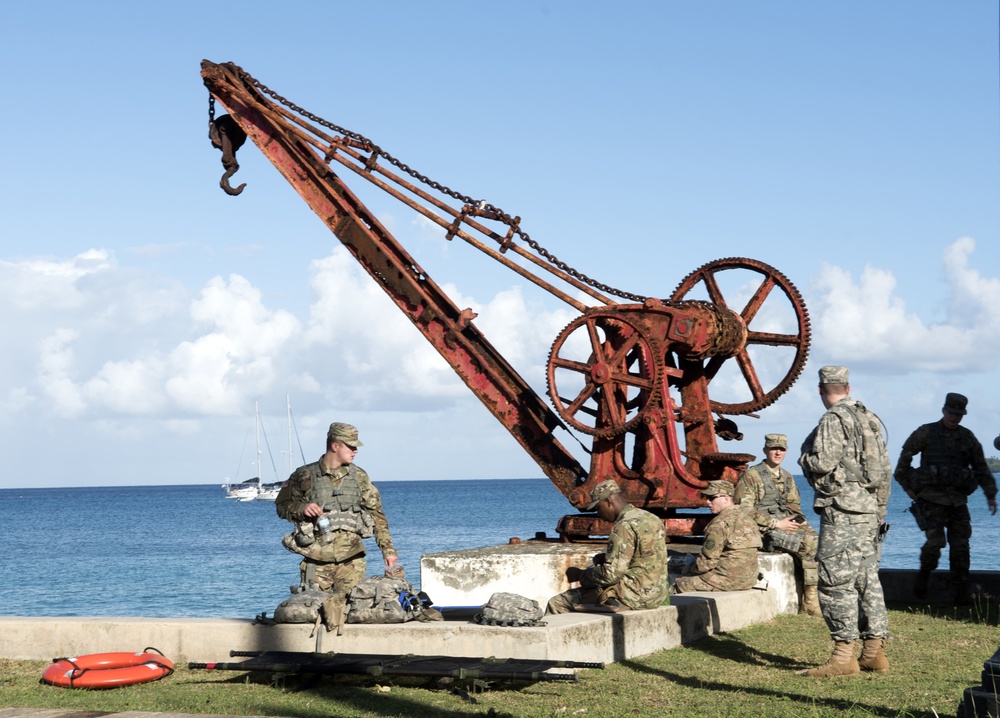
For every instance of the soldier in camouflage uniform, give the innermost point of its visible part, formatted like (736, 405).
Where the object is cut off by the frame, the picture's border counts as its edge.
(845, 461)
(952, 465)
(632, 572)
(769, 491)
(728, 558)
(333, 489)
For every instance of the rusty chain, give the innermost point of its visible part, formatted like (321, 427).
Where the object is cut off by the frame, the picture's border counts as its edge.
(481, 207)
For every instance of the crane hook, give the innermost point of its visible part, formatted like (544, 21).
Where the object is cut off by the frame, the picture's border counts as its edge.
(226, 135)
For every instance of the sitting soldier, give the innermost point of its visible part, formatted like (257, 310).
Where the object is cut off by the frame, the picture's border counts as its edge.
(770, 494)
(728, 558)
(632, 573)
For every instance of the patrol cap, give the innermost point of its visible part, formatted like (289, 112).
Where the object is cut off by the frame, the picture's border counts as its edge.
(834, 375)
(996, 443)
(956, 403)
(344, 433)
(718, 488)
(775, 441)
(604, 490)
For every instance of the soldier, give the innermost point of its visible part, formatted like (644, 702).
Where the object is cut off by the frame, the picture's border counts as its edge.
(334, 505)
(845, 461)
(769, 491)
(632, 572)
(952, 465)
(728, 558)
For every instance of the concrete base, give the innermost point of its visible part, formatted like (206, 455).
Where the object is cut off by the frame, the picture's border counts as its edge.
(527, 569)
(573, 636)
(537, 569)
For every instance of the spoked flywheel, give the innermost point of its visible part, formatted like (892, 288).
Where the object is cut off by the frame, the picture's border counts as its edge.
(775, 316)
(602, 372)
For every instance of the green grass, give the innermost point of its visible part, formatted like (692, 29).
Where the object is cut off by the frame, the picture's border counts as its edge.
(935, 654)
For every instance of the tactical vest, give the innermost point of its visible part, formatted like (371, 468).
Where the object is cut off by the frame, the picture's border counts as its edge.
(945, 460)
(341, 504)
(773, 503)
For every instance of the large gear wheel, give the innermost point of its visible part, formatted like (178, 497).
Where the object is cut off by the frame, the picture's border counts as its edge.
(707, 278)
(602, 373)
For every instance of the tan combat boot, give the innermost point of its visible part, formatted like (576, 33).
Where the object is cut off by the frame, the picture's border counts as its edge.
(810, 602)
(842, 663)
(873, 657)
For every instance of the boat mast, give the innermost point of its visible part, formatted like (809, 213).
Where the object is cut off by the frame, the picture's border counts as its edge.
(256, 412)
(288, 407)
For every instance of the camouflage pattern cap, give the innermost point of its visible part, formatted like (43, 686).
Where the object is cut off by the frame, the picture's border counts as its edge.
(603, 491)
(834, 375)
(344, 433)
(775, 441)
(956, 403)
(718, 488)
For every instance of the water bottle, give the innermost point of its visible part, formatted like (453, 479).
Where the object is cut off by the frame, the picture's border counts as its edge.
(323, 526)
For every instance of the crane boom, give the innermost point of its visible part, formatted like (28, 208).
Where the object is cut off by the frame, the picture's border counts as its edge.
(449, 329)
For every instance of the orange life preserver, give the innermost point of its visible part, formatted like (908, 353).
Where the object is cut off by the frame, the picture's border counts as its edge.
(108, 670)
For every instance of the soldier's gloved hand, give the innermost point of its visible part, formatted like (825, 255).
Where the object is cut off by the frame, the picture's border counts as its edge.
(600, 559)
(574, 574)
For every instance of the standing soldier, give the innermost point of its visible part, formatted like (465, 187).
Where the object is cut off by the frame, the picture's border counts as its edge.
(952, 465)
(334, 505)
(845, 461)
(728, 558)
(770, 493)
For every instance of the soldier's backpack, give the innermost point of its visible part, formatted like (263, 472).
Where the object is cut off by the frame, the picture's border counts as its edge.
(303, 606)
(380, 599)
(510, 609)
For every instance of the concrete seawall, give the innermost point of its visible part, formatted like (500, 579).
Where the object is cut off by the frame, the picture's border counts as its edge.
(530, 570)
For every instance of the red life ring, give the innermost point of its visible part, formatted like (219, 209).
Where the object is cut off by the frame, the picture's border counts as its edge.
(108, 670)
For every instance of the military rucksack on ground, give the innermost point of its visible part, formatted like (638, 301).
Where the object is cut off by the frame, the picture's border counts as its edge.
(380, 599)
(510, 609)
(303, 606)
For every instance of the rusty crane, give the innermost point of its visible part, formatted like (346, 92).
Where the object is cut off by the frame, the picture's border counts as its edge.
(631, 373)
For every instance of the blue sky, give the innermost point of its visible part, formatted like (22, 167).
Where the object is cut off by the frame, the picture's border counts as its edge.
(855, 146)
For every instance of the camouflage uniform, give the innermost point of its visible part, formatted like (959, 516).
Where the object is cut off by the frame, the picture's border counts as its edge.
(952, 465)
(845, 461)
(634, 571)
(728, 558)
(771, 497)
(339, 564)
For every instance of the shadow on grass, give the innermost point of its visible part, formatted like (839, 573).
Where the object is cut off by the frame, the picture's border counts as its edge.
(351, 694)
(810, 701)
(726, 647)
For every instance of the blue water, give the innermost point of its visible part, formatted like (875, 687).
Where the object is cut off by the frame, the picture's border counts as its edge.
(165, 551)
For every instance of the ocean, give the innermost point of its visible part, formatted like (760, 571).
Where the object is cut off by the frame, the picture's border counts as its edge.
(186, 551)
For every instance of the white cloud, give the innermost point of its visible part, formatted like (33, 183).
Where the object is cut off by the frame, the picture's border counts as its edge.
(867, 323)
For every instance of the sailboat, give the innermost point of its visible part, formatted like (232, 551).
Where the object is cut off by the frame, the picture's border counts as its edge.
(248, 490)
(269, 492)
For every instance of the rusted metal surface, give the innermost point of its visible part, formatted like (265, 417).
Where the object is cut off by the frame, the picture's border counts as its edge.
(633, 377)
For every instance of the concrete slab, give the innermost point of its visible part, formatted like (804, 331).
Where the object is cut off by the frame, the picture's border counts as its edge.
(576, 637)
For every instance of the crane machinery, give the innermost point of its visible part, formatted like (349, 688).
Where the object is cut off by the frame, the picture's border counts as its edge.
(630, 372)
